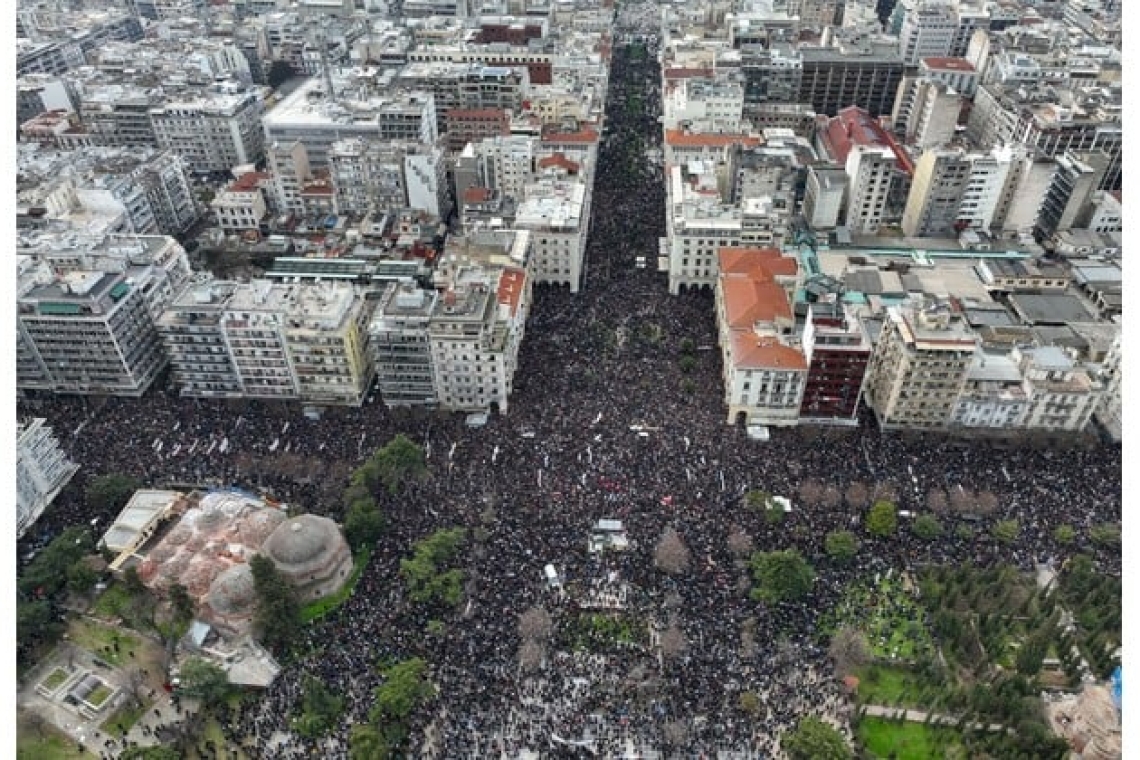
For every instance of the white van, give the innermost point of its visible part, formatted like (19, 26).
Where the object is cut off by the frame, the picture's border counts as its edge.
(552, 579)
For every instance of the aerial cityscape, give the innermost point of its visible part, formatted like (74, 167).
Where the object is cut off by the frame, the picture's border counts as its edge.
(452, 379)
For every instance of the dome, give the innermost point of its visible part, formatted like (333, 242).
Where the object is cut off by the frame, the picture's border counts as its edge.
(302, 539)
(232, 592)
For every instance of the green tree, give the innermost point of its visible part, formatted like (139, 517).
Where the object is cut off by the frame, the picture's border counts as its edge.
(80, 577)
(320, 709)
(1064, 534)
(841, 545)
(181, 603)
(927, 527)
(1107, 534)
(426, 572)
(366, 743)
(157, 752)
(47, 573)
(882, 519)
(781, 576)
(363, 523)
(110, 493)
(398, 463)
(404, 689)
(37, 626)
(278, 614)
(687, 363)
(279, 72)
(206, 681)
(1031, 654)
(815, 740)
(1006, 531)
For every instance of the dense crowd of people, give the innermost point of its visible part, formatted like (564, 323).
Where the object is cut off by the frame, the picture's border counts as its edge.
(605, 422)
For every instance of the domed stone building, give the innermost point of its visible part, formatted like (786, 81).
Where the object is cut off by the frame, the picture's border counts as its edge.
(310, 553)
(231, 601)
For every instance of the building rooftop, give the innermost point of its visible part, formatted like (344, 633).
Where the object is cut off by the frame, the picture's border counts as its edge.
(1050, 308)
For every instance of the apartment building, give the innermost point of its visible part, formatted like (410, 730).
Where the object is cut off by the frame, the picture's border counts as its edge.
(919, 366)
(874, 163)
(90, 332)
(212, 133)
(765, 371)
(270, 340)
(1053, 121)
(926, 112)
(834, 78)
(823, 196)
(837, 349)
(368, 174)
(928, 30)
(557, 214)
(241, 205)
(401, 348)
(362, 106)
(42, 470)
(1064, 394)
(940, 179)
(475, 331)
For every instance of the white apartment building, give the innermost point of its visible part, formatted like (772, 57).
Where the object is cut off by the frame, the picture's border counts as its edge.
(363, 107)
(926, 112)
(241, 205)
(557, 214)
(269, 340)
(823, 196)
(475, 332)
(870, 171)
(765, 371)
(510, 163)
(928, 31)
(919, 366)
(368, 174)
(86, 311)
(425, 177)
(704, 105)
(1063, 393)
(985, 187)
(994, 395)
(698, 223)
(42, 470)
(212, 133)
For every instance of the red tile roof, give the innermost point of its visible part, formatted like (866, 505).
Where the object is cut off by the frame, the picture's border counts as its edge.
(559, 160)
(744, 260)
(511, 283)
(680, 139)
(476, 195)
(855, 126)
(752, 297)
(584, 135)
(750, 351)
(948, 64)
(247, 182)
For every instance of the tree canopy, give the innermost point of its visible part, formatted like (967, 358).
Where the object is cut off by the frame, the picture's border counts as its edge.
(278, 614)
(815, 740)
(110, 493)
(205, 680)
(927, 527)
(395, 465)
(882, 519)
(320, 709)
(279, 73)
(363, 523)
(427, 572)
(781, 576)
(841, 545)
(404, 689)
(49, 571)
